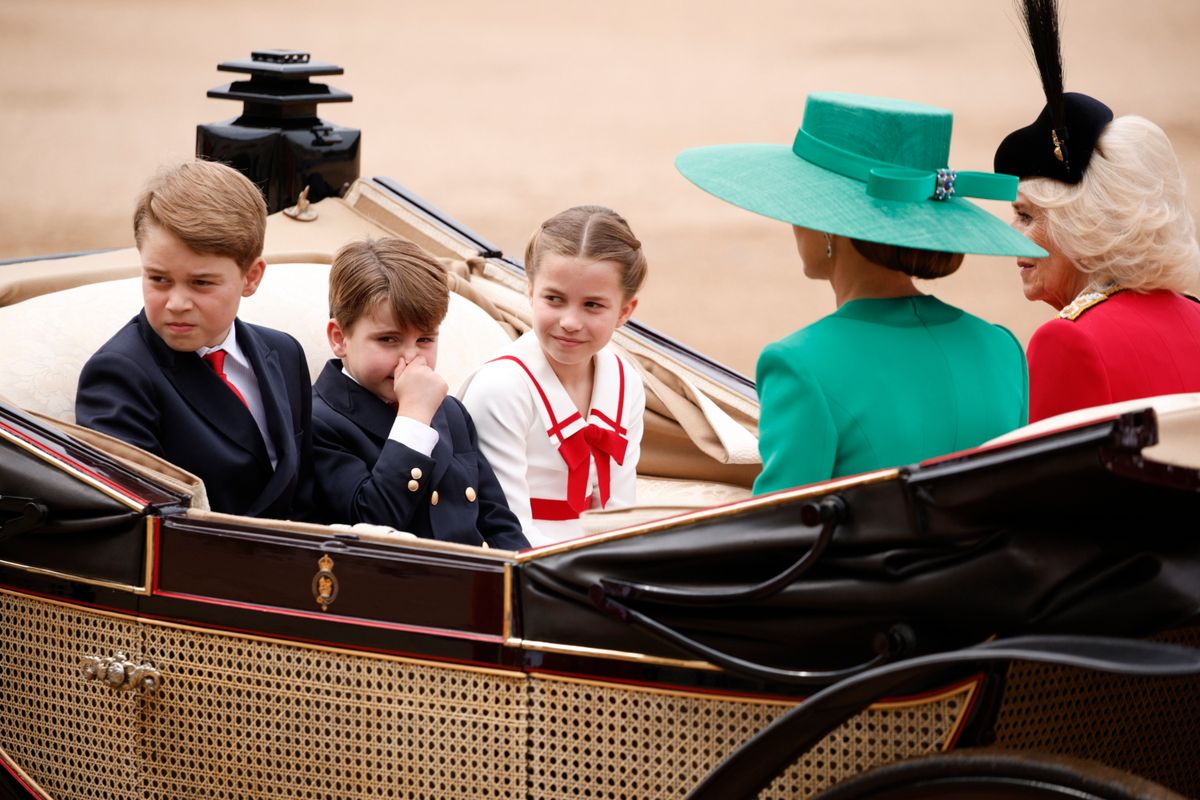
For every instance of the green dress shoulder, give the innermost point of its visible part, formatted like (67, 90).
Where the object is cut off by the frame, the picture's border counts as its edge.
(882, 383)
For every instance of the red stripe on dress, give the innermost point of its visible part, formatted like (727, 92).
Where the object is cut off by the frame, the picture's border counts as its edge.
(558, 429)
(555, 426)
(616, 424)
(554, 510)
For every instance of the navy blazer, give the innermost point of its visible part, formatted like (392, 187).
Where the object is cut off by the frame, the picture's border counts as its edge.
(172, 404)
(363, 476)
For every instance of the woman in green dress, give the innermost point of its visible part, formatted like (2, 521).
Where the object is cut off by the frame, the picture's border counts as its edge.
(893, 376)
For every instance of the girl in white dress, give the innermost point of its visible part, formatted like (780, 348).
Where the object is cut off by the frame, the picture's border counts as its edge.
(559, 414)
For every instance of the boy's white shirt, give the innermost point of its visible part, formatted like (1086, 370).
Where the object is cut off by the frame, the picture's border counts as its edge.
(512, 423)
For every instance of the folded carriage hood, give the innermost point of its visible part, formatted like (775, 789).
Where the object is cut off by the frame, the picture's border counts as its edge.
(66, 510)
(1071, 532)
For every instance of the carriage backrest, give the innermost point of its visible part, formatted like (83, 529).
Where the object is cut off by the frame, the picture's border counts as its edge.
(56, 333)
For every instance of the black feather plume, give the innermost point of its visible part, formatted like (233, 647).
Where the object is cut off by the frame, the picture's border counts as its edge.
(1040, 18)
(1046, 148)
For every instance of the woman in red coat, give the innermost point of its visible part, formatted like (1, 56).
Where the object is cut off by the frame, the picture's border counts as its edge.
(1107, 199)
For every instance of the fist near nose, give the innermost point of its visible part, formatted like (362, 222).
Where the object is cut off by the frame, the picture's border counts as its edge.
(419, 390)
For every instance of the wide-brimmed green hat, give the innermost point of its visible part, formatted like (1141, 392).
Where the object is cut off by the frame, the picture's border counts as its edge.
(869, 168)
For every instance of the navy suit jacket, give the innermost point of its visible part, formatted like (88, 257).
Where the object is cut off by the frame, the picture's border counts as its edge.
(172, 404)
(363, 476)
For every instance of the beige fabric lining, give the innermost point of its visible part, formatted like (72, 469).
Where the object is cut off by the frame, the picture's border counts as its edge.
(389, 213)
(287, 241)
(29, 279)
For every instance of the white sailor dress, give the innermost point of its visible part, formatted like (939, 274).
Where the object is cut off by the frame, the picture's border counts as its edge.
(553, 462)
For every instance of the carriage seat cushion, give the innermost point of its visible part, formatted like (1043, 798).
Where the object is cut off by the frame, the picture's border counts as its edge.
(49, 338)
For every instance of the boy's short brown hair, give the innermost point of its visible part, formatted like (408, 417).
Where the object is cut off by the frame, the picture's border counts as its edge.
(210, 207)
(395, 271)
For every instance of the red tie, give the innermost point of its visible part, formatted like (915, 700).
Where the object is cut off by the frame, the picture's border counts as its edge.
(216, 360)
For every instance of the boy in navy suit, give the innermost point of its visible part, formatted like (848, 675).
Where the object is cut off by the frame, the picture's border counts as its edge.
(188, 381)
(391, 447)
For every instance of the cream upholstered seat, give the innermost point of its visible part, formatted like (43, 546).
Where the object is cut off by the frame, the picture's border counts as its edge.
(59, 331)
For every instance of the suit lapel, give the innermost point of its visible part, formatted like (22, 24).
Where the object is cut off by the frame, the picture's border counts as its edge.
(374, 416)
(205, 392)
(354, 402)
(273, 390)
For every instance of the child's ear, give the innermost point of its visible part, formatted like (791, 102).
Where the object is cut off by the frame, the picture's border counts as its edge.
(337, 338)
(627, 311)
(253, 276)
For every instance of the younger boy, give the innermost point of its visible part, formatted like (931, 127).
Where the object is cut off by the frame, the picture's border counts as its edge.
(391, 447)
(188, 381)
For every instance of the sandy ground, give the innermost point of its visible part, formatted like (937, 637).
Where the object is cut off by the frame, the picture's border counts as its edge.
(506, 112)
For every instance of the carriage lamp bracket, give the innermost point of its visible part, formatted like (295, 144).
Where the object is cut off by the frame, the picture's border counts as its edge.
(20, 515)
(325, 135)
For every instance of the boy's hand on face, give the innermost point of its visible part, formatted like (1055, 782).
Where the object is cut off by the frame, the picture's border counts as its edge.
(419, 390)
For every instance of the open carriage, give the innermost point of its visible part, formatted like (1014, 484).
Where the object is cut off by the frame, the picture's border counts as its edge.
(151, 648)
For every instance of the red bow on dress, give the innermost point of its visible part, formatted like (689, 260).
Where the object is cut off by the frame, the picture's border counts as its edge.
(578, 450)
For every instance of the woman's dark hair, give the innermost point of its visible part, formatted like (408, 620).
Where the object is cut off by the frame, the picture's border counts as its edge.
(925, 264)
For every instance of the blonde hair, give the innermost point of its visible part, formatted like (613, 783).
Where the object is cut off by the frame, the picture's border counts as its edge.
(592, 232)
(1128, 220)
(210, 207)
(391, 270)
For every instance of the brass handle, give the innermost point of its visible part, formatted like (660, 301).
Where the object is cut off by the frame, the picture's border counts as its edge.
(121, 674)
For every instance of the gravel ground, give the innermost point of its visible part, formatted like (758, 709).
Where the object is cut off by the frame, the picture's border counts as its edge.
(504, 113)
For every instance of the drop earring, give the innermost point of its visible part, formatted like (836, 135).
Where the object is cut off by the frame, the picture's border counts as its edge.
(828, 246)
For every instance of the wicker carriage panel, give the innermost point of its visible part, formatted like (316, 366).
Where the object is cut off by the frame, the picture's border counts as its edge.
(244, 718)
(46, 699)
(608, 742)
(1150, 727)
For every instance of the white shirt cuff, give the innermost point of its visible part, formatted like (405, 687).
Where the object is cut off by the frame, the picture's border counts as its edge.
(419, 436)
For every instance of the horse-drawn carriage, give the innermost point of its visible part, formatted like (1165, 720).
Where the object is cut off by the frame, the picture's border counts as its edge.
(152, 648)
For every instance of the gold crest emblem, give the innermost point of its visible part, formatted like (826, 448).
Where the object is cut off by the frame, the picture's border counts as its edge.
(325, 583)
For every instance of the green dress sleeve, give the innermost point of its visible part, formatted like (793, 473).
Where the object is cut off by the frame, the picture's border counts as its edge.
(797, 437)
(1024, 366)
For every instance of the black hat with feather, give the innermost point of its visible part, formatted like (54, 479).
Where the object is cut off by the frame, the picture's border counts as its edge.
(1060, 142)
